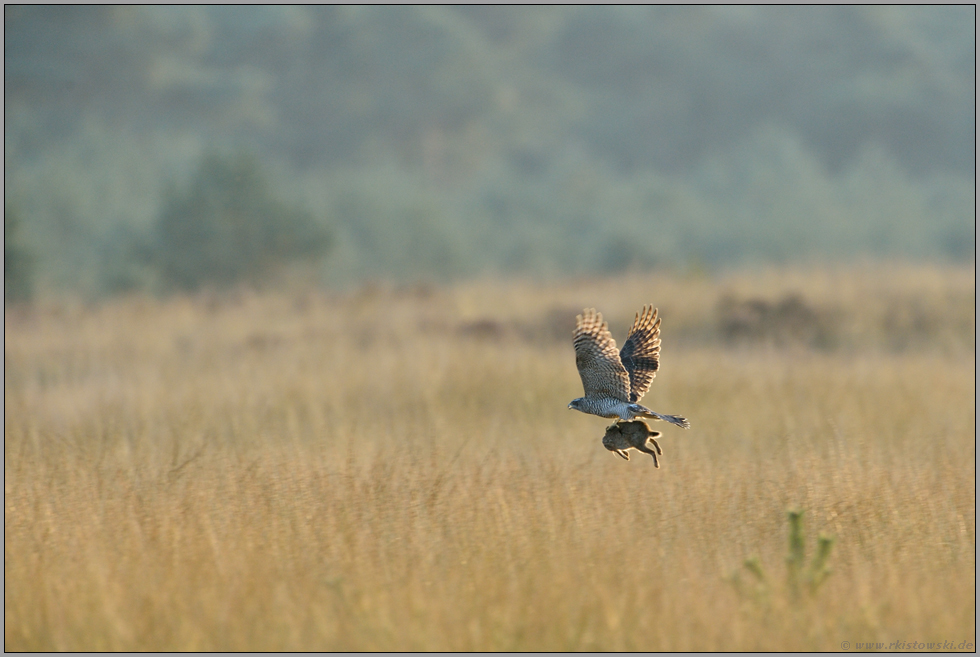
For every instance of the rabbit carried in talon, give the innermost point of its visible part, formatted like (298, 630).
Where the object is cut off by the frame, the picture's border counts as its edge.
(624, 436)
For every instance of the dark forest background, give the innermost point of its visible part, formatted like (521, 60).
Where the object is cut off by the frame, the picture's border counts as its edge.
(162, 148)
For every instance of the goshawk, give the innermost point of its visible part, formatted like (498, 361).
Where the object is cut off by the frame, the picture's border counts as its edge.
(615, 381)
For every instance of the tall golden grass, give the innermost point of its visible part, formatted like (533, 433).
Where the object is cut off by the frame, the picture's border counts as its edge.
(396, 469)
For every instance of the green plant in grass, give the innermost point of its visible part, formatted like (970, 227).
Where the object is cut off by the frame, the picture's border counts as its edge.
(799, 578)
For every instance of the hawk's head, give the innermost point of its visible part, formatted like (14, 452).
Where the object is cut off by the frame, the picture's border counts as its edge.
(576, 404)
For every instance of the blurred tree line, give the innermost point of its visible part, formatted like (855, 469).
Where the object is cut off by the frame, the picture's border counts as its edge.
(17, 263)
(443, 142)
(228, 228)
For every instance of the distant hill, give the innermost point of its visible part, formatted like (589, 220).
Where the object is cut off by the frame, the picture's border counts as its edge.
(445, 142)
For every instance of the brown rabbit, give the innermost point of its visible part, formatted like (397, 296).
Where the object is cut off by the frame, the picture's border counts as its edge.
(623, 436)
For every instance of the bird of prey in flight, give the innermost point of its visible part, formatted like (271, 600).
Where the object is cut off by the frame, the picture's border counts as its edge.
(615, 381)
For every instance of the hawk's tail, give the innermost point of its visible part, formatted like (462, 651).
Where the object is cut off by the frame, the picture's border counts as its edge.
(643, 411)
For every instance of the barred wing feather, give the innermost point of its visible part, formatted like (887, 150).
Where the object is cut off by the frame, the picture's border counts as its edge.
(597, 359)
(641, 352)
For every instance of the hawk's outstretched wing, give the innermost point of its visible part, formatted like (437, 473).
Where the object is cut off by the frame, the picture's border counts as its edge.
(641, 352)
(603, 374)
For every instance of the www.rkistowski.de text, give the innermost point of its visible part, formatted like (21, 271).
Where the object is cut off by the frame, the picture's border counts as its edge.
(907, 645)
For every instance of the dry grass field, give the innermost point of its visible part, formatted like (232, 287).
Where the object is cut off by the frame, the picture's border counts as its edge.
(396, 469)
